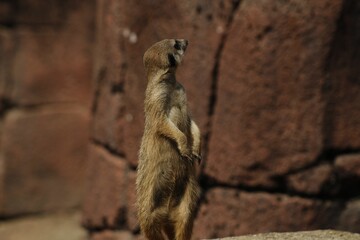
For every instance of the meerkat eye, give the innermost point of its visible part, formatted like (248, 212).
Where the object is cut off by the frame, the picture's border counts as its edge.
(177, 45)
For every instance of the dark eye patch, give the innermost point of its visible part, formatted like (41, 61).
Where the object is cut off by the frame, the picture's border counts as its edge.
(172, 60)
(177, 45)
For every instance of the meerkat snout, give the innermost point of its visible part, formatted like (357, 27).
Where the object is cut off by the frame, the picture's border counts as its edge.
(181, 44)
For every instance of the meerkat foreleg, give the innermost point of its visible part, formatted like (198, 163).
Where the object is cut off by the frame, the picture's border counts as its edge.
(169, 129)
(196, 136)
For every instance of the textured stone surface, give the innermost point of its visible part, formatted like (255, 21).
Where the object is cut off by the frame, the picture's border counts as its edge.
(5, 11)
(201, 22)
(54, 65)
(109, 118)
(309, 235)
(2, 172)
(59, 226)
(350, 217)
(231, 212)
(282, 114)
(316, 180)
(348, 164)
(269, 92)
(7, 47)
(106, 197)
(342, 113)
(112, 235)
(132, 220)
(43, 154)
(348, 171)
(109, 103)
(110, 72)
(116, 235)
(46, 51)
(34, 12)
(207, 25)
(45, 93)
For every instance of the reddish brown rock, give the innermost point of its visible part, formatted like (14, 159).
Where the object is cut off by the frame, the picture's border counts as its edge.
(348, 171)
(350, 217)
(112, 235)
(120, 53)
(43, 156)
(116, 235)
(110, 110)
(105, 203)
(268, 118)
(272, 70)
(132, 220)
(2, 172)
(109, 118)
(110, 70)
(5, 11)
(7, 48)
(54, 226)
(108, 56)
(342, 113)
(316, 180)
(139, 237)
(54, 64)
(35, 12)
(348, 164)
(230, 212)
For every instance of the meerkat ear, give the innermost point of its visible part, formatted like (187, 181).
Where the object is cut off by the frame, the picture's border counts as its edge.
(172, 60)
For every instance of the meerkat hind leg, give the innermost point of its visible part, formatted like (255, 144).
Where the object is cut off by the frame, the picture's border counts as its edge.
(183, 215)
(152, 225)
(169, 230)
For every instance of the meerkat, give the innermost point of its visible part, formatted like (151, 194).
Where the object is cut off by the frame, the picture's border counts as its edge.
(166, 184)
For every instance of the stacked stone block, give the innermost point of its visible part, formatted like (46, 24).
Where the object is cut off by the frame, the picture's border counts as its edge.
(45, 97)
(274, 86)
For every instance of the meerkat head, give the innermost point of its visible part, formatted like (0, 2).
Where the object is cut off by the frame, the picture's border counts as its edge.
(165, 55)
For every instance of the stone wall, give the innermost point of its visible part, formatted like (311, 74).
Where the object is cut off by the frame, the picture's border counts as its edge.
(275, 88)
(45, 97)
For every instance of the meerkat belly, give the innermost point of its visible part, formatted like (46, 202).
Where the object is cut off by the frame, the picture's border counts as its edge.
(164, 168)
(178, 117)
(160, 150)
(178, 112)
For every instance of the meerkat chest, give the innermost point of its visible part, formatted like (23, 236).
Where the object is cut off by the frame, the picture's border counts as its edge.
(178, 111)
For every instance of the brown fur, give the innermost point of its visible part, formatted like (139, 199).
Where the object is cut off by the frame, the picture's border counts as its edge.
(167, 188)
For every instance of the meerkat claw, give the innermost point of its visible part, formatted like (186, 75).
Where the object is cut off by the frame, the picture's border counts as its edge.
(198, 158)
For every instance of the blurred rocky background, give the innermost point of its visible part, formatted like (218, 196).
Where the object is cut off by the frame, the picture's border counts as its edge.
(46, 62)
(274, 86)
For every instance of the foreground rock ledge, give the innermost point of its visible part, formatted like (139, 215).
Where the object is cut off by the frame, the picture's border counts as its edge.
(310, 235)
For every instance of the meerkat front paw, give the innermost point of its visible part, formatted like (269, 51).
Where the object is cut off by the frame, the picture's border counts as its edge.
(196, 152)
(197, 157)
(184, 151)
(183, 148)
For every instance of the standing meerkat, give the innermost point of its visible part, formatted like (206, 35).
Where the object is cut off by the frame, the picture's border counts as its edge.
(166, 184)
